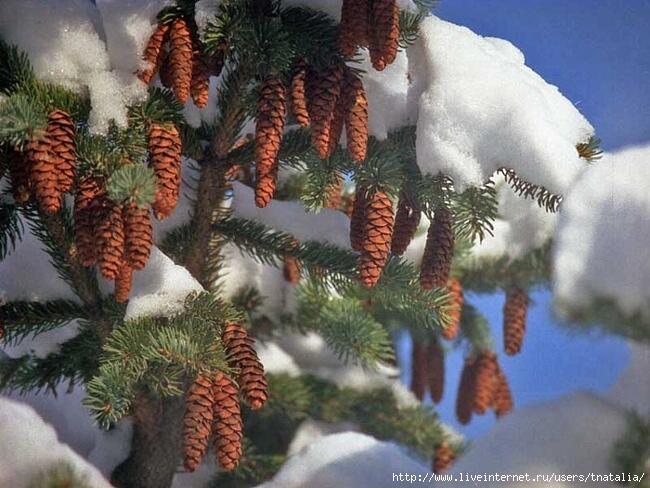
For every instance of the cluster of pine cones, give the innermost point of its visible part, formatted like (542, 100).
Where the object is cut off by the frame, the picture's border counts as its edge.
(212, 403)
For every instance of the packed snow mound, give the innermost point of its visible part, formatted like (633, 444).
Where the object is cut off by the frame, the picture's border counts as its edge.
(601, 247)
(483, 108)
(29, 447)
(346, 460)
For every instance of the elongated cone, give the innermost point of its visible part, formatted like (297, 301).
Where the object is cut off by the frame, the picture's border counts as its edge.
(334, 194)
(19, 170)
(353, 30)
(165, 159)
(123, 283)
(241, 355)
(153, 53)
(44, 175)
(443, 458)
(61, 132)
(418, 369)
(138, 235)
(298, 95)
(271, 111)
(291, 269)
(323, 92)
(486, 374)
(384, 33)
(406, 223)
(227, 425)
(165, 71)
(180, 59)
(197, 422)
(200, 84)
(456, 301)
(358, 219)
(376, 242)
(435, 357)
(110, 235)
(514, 319)
(89, 206)
(341, 110)
(502, 402)
(356, 121)
(466, 391)
(438, 251)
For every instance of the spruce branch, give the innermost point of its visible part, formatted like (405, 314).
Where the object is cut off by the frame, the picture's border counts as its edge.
(11, 228)
(475, 329)
(545, 199)
(15, 68)
(474, 212)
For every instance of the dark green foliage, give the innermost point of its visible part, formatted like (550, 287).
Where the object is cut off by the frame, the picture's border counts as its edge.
(15, 68)
(22, 319)
(631, 452)
(11, 228)
(476, 329)
(545, 199)
(134, 183)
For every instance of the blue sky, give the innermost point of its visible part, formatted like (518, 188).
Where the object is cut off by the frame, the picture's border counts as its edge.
(598, 53)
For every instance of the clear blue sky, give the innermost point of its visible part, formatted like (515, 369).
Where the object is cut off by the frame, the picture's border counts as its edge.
(598, 53)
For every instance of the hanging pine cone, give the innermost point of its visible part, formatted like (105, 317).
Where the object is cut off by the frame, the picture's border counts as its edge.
(338, 121)
(435, 370)
(418, 369)
(443, 458)
(466, 391)
(123, 283)
(514, 319)
(241, 355)
(165, 159)
(324, 90)
(44, 175)
(334, 194)
(227, 425)
(353, 30)
(356, 121)
(19, 171)
(197, 422)
(89, 206)
(61, 132)
(377, 234)
(200, 84)
(138, 235)
(456, 301)
(486, 373)
(166, 73)
(502, 402)
(291, 269)
(438, 251)
(358, 219)
(153, 53)
(298, 94)
(384, 33)
(180, 59)
(271, 110)
(110, 235)
(406, 223)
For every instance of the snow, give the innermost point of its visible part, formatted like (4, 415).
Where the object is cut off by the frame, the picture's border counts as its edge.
(204, 11)
(477, 91)
(275, 359)
(601, 246)
(311, 430)
(632, 389)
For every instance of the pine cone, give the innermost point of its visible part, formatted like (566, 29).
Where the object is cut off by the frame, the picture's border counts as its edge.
(486, 373)
(334, 195)
(502, 402)
(166, 73)
(353, 30)
(466, 391)
(197, 422)
(291, 269)
(271, 110)
(514, 319)
(356, 121)
(406, 223)
(61, 132)
(324, 90)
(123, 283)
(435, 370)
(456, 301)
(298, 95)
(240, 350)
(200, 84)
(165, 158)
(19, 170)
(384, 33)
(341, 110)
(443, 458)
(44, 175)
(180, 59)
(227, 425)
(358, 219)
(153, 53)
(377, 234)
(418, 369)
(89, 206)
(438, 251)
(110, 235)
(138, 235)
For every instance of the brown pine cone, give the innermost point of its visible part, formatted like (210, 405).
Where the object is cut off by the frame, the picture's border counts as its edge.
(384, 33)
(466, 391)
(110, 235)
(341, 110)
(443, 458)
(269, 128)
(418, 369)
(334, 195)
(502, 401)
(353, 30)
(291, 269)
(44, 175)
(377, 234)
(456, 301)
(298, 95)
(153, 53)
(358, 219)
(227, 425)
(240, 350)
(89, 206)
(356, 121)
(514, 319)
(138, 235)
(180, 59)
(166, 72)
(165, 159)
(123, 283)
(19, 171)
(406, 223)
(61, 132)
(435, 370)
(197, 422)
(438, 251)
(200, 84)
(323, 92)
(486, 374)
